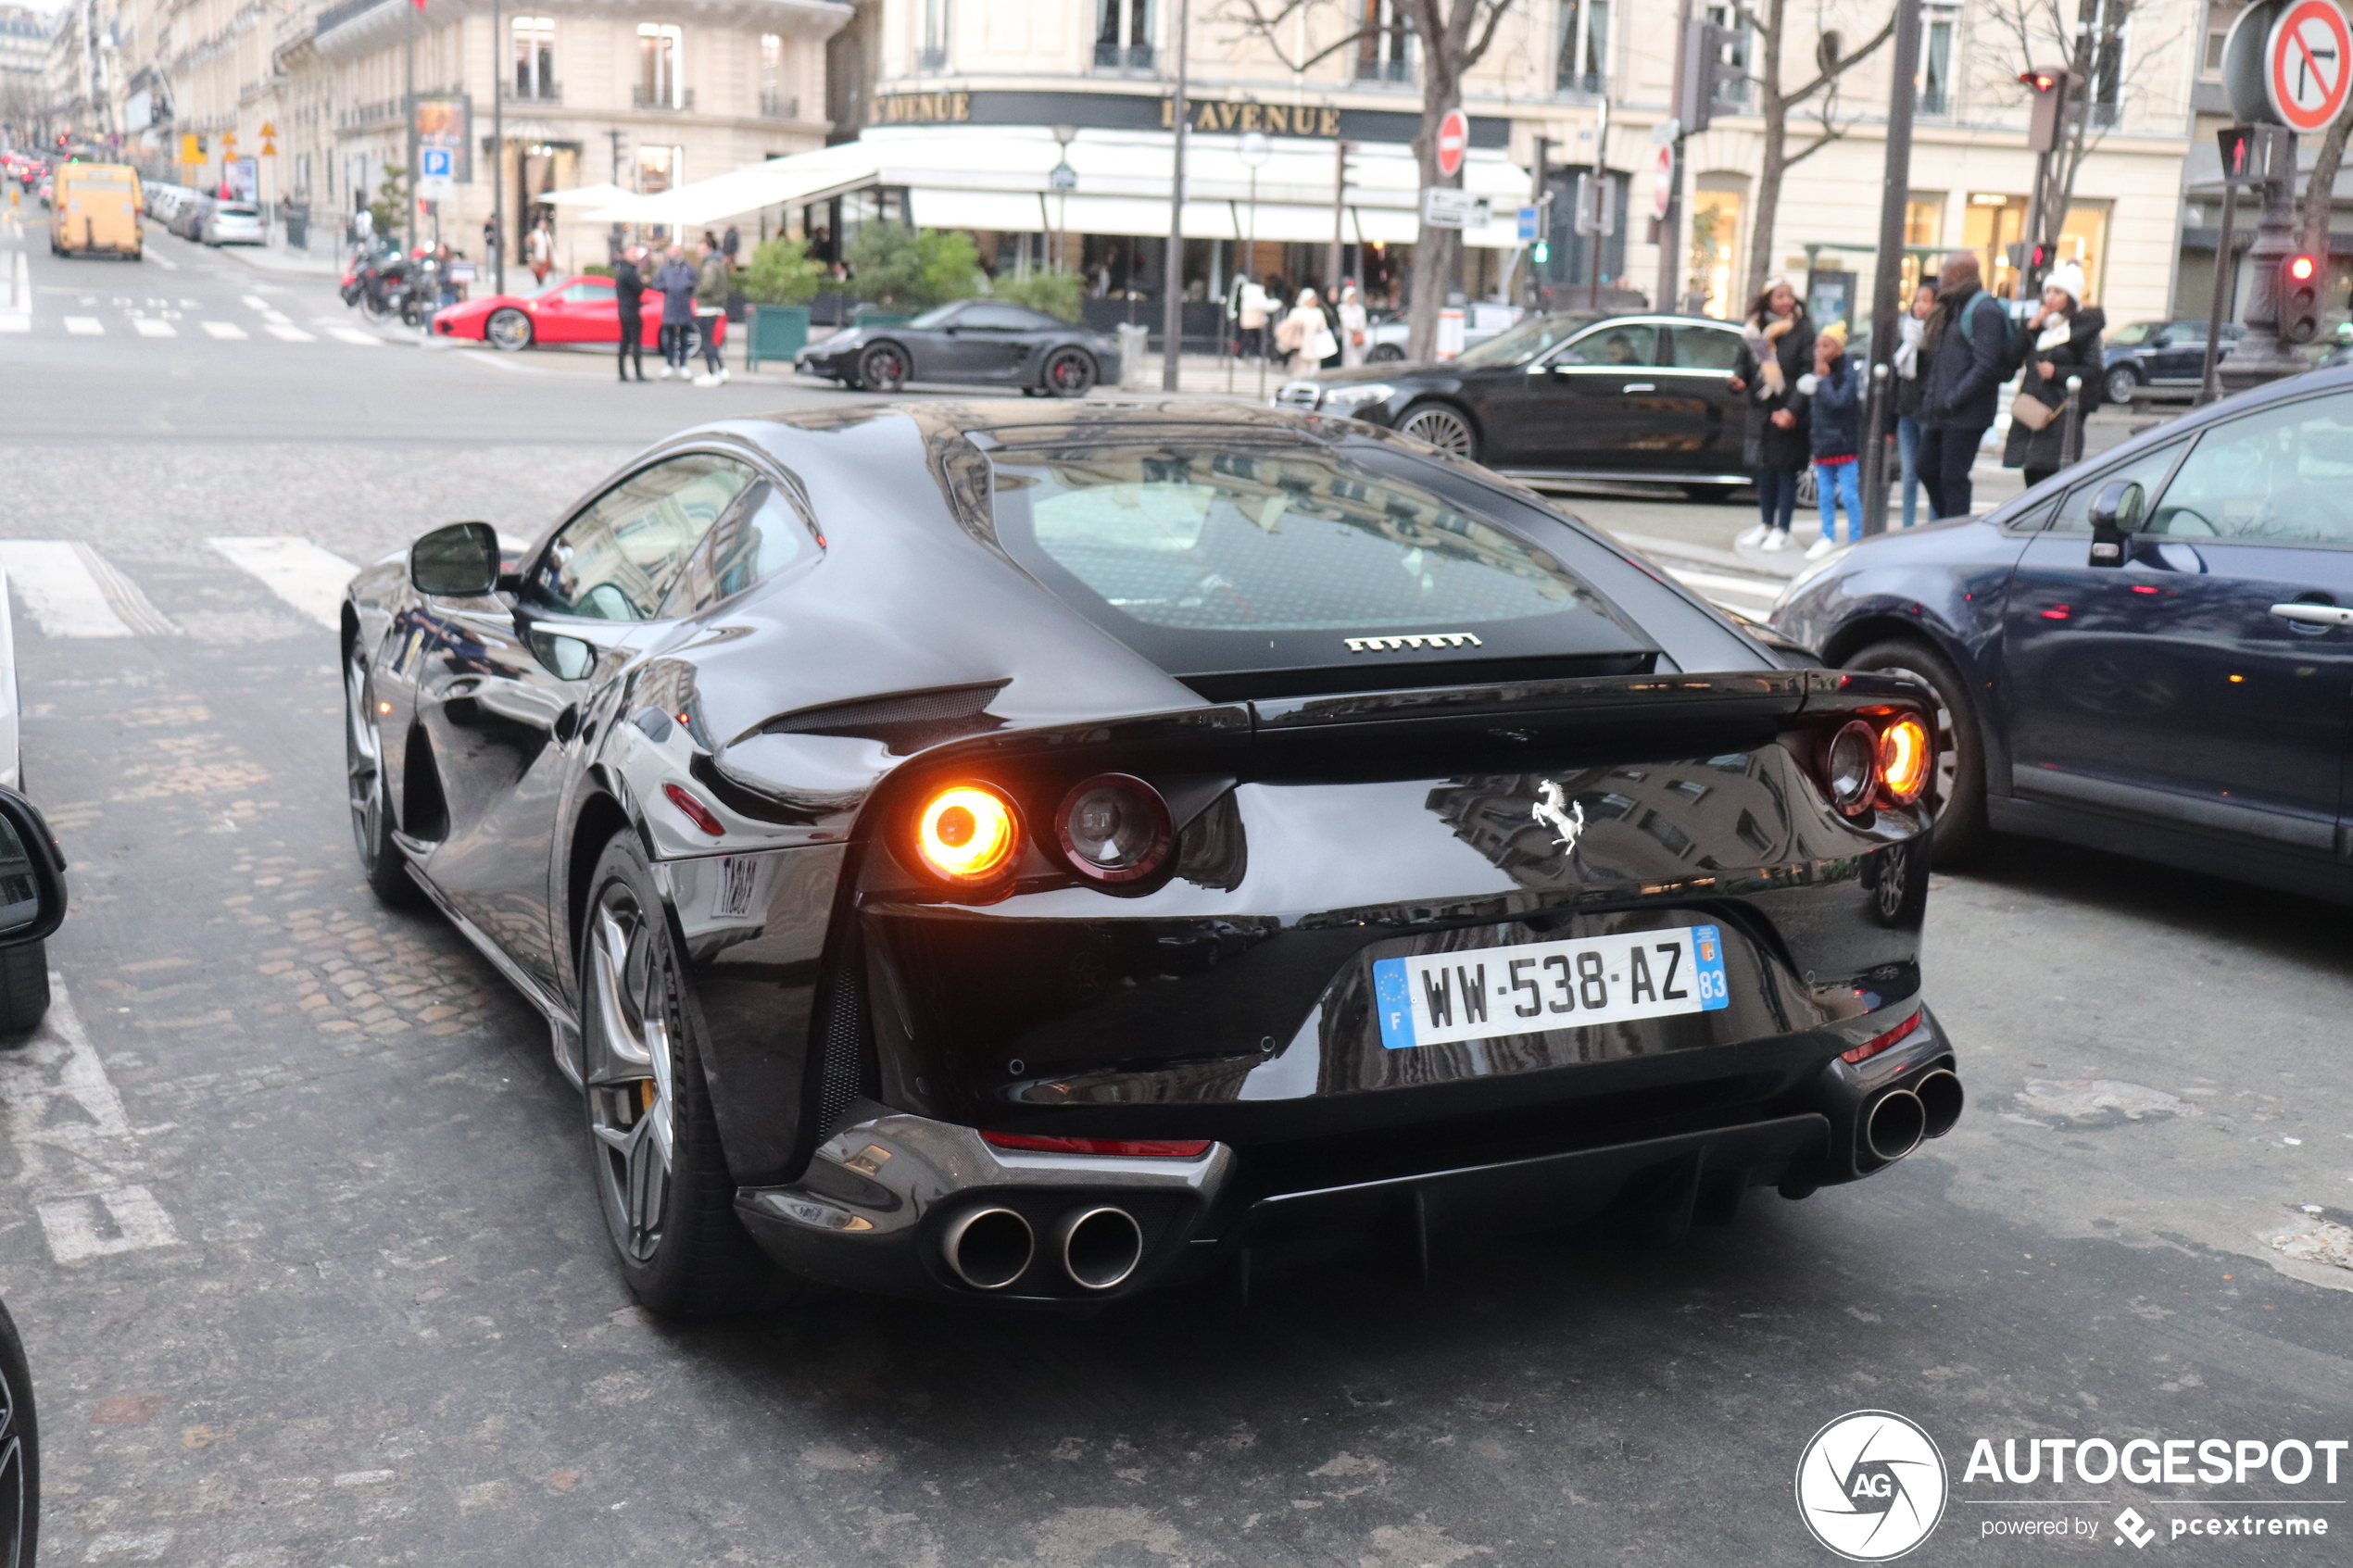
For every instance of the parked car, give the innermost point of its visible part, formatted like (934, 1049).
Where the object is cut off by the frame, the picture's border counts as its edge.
(984, 852)
(187, 219)
(2160, 355)
(2150, 653)
(233, 223)
(1481, 320)
(979, 340)
(579, 309)
(1624, 397)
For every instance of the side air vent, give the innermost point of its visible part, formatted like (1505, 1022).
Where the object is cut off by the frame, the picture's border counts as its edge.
(905, 723)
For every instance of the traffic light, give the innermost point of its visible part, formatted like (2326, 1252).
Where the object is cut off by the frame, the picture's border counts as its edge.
(1542, 251)
(2027, 256)
(1709, 76)
(2048, 86)
(2300, 298)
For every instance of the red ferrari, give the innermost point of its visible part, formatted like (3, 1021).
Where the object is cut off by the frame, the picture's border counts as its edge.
(576, 310)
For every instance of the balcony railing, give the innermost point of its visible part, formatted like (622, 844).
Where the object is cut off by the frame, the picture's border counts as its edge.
(644, 97)
(535, 92)
(1123, 56)
(1589, 83)
(1384, 70)
(931, 60)
(779, 105)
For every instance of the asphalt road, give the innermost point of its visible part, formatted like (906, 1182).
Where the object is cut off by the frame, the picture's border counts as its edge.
(295, 1213)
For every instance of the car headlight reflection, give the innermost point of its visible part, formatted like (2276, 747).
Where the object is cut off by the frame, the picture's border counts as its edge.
(1348, 399)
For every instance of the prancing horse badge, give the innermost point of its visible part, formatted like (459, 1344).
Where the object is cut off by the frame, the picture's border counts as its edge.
(1553, 810)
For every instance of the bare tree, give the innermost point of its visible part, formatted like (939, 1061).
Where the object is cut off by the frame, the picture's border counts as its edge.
(1452, 36)
(1832, 61)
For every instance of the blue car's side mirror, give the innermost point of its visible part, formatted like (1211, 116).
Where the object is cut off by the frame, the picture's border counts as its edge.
(2116, 514)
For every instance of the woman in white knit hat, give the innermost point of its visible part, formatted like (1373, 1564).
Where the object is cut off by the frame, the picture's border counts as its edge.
(2063, 340)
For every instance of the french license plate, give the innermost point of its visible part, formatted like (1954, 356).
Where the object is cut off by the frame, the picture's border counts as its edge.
(1436, 998)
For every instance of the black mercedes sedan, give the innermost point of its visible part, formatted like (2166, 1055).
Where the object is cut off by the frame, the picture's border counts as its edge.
(976, 341)
(1616, 398)
(984, 851)
(2150, 653)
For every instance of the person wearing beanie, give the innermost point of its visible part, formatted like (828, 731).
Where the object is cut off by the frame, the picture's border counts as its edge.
(1831, 397)
(2063, 340)
(1964, 342)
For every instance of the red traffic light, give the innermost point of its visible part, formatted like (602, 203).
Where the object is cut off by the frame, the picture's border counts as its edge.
(2041, 80)
(2301, 269)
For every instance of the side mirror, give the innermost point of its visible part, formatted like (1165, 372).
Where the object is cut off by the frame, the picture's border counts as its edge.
(567, 659)
(459, 561)
(2116, 513)
(32, 873)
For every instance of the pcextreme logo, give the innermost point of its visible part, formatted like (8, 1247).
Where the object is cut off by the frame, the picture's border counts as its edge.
(1870, 1485)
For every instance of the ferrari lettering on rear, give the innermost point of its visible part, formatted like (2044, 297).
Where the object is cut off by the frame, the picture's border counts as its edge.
(1436, 998)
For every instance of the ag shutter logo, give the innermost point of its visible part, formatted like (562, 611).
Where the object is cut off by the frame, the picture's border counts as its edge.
(1870, 1485)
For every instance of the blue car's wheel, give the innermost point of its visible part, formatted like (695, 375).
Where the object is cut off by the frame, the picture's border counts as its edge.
(1958, 793)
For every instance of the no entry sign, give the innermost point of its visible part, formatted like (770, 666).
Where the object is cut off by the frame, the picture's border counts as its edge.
(2306, 62)
(1453, 136)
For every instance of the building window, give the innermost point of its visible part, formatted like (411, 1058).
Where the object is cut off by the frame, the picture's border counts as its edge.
(2107, 77)
(1582, 63)
(536, 58)
(1737, 54)
(774, 101)
(1936, 62)
(660, 170)
(933, 56)
(2210, 65)
(1385, 47)
(1123, 36)
(660, 47)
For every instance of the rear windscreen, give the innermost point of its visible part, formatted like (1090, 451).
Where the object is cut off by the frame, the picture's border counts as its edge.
(1223, 557)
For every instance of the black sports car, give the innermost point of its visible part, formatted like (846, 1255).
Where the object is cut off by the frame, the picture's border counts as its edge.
(990, 850)
(971, 340)
(1621, 397)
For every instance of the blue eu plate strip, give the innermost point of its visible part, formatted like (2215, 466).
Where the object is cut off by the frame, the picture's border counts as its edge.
(1708, 957)
(1393, 1000)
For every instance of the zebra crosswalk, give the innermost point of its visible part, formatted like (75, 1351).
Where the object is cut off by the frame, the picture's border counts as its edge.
(68, 590)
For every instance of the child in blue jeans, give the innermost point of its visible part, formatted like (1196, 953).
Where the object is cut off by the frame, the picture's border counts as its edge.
(1835, 405)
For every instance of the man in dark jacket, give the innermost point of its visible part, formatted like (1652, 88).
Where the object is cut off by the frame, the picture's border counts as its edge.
(628, 302)
(1966, 339)
(677, 282)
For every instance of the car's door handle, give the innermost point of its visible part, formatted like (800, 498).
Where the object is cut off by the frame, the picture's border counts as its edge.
(2315, 615)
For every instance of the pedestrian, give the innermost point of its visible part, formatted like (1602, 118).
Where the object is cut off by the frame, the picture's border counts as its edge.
(490, 244)
(1832, 414)
(539, 250)
(1965, 342)
(1910, 386)
(2066, 335)
(1329, 305)
(731, 245)
(1253, 306)
(1355, 331)
(711, 289)
(445, 283)
(677, 282)
(1777, 346)
(629, 300)
(1305, 335)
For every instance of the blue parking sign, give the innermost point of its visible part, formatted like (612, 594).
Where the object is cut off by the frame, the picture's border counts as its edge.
(436, 163)
(1527, 224)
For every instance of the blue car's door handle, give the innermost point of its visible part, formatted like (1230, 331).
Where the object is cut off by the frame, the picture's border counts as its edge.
(2315, 615)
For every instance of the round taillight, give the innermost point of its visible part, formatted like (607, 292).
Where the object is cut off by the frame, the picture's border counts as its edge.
(966, 834)
(1850, 766)
(1907, 755)
(1114, 828)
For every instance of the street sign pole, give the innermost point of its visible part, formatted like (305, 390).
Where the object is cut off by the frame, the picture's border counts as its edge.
(409, 107)
(2210, 385)
(1172, 316)
(499, 57)
(1601, 205)
(1887, 283)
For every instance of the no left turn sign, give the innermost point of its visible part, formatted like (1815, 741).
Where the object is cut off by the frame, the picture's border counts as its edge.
(2306, 63)
(1453, 136)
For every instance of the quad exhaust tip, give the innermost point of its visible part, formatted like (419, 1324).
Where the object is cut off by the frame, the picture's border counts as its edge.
(1100, 1247)
(1896, 1123)
(1941, 1099)
(989, 1249)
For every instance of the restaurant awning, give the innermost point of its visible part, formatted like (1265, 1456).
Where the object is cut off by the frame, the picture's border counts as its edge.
(1001, 178)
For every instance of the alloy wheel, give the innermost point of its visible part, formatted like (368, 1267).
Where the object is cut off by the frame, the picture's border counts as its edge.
(2120, 384)
(508, 329)
(363, 764)
(883, 368)
(631, 1108)
(1070, 373)
(1948, 756)
(1443, 429)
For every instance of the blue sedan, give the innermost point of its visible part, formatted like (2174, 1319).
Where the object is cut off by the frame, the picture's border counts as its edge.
(2150, 653)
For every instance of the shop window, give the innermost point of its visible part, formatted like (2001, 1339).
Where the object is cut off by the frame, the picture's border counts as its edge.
(1385, 47)
(660, 170)
(1581, 63)
(1123, 36)
(1988, 226)
(1716, 232)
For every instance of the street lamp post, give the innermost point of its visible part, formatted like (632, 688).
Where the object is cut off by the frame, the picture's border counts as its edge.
(1172, 316)
(498, 57)
(1063, 178)
(1256, 150)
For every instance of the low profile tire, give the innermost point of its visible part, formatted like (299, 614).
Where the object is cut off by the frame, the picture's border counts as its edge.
(19, 1454)
(1070, 372)
(1386, 353)
(1957, 791)
(1447, 429)
(883, 368)
(2122, 383)
(508, 329)
(380, 860)
(24, 998)
(661, 1179)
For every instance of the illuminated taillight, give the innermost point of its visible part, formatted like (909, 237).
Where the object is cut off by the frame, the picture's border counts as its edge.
(1907, 756)
(1150, 1148)
(966, 834)
(1879, 1043)
(695, 810)
(1850, 768)
(1114, 828)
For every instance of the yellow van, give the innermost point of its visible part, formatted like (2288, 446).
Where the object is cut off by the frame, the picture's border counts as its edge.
(93, 209)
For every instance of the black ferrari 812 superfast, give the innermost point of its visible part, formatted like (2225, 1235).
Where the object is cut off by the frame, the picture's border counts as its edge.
(1045, 852)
